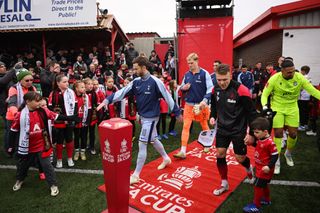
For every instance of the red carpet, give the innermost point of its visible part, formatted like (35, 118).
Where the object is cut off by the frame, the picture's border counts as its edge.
(185, 185)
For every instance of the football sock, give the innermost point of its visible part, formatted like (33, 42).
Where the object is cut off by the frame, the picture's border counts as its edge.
(142, 155)
(222, 168)
(291, 143)
(258, 194)
(159, 147)
(278, 141)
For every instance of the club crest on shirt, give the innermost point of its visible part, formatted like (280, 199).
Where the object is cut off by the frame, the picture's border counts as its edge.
(295, 83)
(36, 128)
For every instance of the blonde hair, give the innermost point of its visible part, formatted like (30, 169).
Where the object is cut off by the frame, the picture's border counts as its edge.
(87, 80)
(193, 56)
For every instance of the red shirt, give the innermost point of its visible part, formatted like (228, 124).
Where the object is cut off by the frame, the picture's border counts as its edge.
(112, 108)
(81, 103)
(262, 155)
(36, 141)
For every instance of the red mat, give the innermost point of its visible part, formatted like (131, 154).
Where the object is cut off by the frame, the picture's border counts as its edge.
(185, 185)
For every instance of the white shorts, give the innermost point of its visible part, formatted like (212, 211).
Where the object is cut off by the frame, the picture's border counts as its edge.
(148, 129)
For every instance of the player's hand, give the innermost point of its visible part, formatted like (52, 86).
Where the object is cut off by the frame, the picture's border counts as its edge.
(179, 118)
(266, 169)
(248, 140)
(186, 87)
(212, 121)
(10, 151)
(103, 104)
(202, 105)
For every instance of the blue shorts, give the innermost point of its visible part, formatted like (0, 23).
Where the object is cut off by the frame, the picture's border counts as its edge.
(148, 129)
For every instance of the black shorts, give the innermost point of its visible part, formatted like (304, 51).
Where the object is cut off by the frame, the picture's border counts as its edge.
(239, 148)
(260, 182)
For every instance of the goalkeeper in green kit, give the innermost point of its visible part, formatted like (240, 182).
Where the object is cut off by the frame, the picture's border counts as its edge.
(284, 88)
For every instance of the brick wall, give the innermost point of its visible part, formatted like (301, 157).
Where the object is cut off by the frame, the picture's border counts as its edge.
(266, 48)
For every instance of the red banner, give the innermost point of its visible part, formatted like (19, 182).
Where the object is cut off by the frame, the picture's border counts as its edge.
(210, 38)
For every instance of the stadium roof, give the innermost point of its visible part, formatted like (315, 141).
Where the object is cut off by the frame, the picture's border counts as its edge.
(270, 20)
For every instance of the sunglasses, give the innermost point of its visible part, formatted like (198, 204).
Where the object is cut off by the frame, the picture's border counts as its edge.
(28, 80)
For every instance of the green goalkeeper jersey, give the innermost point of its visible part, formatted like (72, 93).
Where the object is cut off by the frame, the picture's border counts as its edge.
(284, 93)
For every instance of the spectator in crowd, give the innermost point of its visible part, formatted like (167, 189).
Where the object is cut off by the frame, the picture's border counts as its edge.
(79, 67)
(231, 103)
(131, 54)
(171, 66)
(197, 86)
(147, 97)
(47, 77)
(6, 81)
(64, 66)
(155, 61)
(15, 97)
(38, 69)
(278, 67)
(170, 51)
(285, 88)
(121, 60)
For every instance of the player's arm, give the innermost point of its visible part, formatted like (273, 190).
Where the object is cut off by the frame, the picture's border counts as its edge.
(213, 113)
(310, 88)
(267, 91)
(209, 85)
(167, 97)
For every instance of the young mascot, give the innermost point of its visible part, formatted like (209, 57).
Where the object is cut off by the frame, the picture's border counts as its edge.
(265, 156)
(30, 128)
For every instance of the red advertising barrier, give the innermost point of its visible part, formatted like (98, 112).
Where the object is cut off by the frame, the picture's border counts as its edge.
(210, 38)
(116, 145)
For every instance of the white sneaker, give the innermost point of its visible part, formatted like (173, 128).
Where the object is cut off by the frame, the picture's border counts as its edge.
(221, 190)
(70, 162)
(17, 185)
(164, 164)
(54, 190)
(311, 133)
(134, 179)
(277, 169)
(59, 164)
(289, 160)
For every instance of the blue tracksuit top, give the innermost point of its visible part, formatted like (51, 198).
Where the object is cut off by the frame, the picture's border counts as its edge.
(147, 90)
(201, 86)
(246, 78)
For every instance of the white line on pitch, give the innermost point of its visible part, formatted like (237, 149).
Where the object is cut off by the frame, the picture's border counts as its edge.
(100, 172)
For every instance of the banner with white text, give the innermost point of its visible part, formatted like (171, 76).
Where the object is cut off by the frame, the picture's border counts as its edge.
(26, 14)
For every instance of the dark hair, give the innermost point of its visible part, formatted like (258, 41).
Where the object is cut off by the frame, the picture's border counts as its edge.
(306, 69)
(287, 63)
(223, 69)
(244, 66)
(58, 78)
(141, 61)
(30, 96)
(260, 123)
(217, 61)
